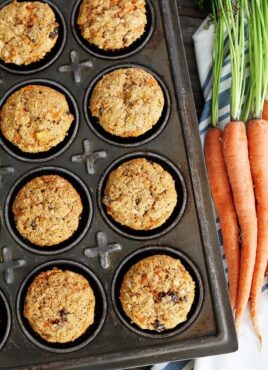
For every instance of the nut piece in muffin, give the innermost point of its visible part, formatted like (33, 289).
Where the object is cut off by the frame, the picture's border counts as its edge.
(28, 31)
(127, 102)
(140, 194)
(35, 118)
(157, 293)
(59, 305)
(112, 24)
(47, 210)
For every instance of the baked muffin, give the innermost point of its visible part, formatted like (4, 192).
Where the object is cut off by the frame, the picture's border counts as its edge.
(35, 118)
(140, 194)
(127, 102)
(59, 305)
(157, 293)
(28, 31)
(47, 210)
(112, 24)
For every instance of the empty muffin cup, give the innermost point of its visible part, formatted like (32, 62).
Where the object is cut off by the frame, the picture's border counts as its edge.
(143, 213)
(176, 292)
(47, 56)
(61, 136)
(47, 184)
(83, 276)
(5, 320)
(119, 53)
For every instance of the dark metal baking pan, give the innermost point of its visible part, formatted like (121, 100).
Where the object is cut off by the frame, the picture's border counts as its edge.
(102, 248)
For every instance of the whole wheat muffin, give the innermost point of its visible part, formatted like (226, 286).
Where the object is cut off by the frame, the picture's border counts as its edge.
(127, 102)
(157, 293)
(140, 194)
(47, 210)
(112, 24)
(59, 305)
(35, 118)
(28, 31)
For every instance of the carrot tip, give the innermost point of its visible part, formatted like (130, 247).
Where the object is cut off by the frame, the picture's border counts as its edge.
(232, 301)
(258, 333)
(237, 324)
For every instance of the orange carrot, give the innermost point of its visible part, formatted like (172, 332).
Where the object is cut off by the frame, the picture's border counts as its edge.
(223, 199)
(258, 155)
(235, 150)
(265, 110)
(266, 271)
(258, 141)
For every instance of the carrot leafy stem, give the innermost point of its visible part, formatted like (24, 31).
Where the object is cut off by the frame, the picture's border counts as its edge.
(258, 57)
(218, 54)
(233, 13)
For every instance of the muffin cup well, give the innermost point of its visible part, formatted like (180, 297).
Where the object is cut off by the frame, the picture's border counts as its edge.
(5, 319)
(129, 141)
(51, 56)
(119, 54)
(84, 222)
(62, 146)
(100, 308)
(138, 255)
(177, 213)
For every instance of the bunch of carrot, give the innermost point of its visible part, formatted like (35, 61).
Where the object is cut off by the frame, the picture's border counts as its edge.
(237, 157)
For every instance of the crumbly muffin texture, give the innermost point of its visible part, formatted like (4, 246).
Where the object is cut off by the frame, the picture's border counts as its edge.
(140, 194)
(157, 293)
(112, 24)
(35, 118)
(127, 102)
(59, 305)
(28, 31)
(47, 210)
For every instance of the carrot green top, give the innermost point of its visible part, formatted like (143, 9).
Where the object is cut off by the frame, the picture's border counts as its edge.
(233, 13)
(257, 11)
(218, 53)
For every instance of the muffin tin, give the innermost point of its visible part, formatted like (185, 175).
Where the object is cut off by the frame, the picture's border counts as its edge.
(102, 250)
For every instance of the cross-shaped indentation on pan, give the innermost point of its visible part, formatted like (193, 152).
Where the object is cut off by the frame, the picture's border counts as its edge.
(4, 171)
(89, 157)
(103, 249)
(8, 264)
(76, 67)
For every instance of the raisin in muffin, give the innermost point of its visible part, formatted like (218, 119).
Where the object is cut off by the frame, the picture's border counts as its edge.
(140, 194)
(35, 118)
(157, 293)
(59, 305)
(112, 24)
(47, 210)
(28, 31)
(127, 102)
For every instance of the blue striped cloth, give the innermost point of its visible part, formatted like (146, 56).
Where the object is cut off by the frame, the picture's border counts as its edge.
(181, 365)
(249, 356)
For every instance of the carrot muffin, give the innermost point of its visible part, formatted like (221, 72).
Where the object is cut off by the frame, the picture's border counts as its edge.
(35, 118)
(112, 24)
(127, 102)
(47, 210)
(140, 194)
(157, 293)
(28, 31)
(59, 305)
